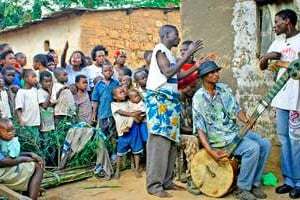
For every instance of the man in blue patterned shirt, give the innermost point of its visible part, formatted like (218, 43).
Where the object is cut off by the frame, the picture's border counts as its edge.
(215, 115)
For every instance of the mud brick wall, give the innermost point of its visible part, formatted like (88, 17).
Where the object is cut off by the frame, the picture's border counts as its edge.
(131, 30)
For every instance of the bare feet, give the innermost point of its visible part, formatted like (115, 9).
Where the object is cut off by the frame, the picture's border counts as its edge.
(138, 174)
(175, 187)
(117, 175)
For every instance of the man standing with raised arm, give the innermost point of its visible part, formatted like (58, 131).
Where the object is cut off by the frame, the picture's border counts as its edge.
(163, 109)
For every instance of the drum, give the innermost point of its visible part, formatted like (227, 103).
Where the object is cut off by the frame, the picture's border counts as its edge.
(212, 179)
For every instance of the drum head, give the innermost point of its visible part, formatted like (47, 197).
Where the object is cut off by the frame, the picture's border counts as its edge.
(211, 178)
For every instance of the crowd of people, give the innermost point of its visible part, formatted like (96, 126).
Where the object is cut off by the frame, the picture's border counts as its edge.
(100, 94)
(154, 108)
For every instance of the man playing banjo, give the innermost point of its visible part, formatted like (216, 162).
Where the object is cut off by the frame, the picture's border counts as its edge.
(215, 114)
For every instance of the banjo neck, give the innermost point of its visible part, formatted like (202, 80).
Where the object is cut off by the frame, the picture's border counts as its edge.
(292, 71)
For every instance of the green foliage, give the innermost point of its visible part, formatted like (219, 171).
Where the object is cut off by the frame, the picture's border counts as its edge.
(11, 13)
(88, 155)
(16, 12)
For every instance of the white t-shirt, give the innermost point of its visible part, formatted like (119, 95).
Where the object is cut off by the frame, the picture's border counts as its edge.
(72, 74)
(288, 97)
(64, 103)
(55, 89)
(92, 72)
(4, 105)
(27, 100)
(138, 107)
(156, 79)
(123, 123)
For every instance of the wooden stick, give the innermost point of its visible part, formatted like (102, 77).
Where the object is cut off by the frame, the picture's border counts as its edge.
(12, 195)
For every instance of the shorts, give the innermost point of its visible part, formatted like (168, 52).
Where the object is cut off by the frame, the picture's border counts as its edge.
(17, 177)
(130, 141)
(144, 132)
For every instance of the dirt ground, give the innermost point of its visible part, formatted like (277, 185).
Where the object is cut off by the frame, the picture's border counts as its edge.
(128, 187)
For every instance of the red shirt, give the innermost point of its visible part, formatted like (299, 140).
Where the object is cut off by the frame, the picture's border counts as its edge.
(190, 79)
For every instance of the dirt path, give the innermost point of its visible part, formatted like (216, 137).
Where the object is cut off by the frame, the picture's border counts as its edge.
(131, 188)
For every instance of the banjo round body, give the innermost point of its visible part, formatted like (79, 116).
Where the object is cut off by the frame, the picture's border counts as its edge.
(211, 178)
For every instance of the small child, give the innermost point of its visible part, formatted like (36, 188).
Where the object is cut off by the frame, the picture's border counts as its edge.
(28, 113)
(124, 71)
(127, 129)
(44, 94)
(126, 83)
(140, 78)
(137, 104)
(9, 144)
(9, 73)
(61, 97)
(82, 100)
(20, 171)
(4, 103)
(47, 118)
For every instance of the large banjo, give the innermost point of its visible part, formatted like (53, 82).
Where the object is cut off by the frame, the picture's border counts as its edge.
(216, 180)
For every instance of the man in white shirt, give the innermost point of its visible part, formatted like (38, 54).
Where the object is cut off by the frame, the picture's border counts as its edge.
(287, 101)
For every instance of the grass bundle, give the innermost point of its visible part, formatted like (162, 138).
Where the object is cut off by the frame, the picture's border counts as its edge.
(59, 177)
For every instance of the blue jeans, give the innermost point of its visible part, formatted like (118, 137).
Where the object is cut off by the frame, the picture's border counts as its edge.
(290, 148)
(254, 151)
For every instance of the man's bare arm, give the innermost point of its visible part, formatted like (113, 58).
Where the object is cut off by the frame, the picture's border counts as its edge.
(164, 63)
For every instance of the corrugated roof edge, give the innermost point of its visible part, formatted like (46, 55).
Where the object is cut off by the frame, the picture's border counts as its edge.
(77, 11)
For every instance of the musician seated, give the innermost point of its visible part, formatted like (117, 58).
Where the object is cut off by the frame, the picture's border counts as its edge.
(215, 114)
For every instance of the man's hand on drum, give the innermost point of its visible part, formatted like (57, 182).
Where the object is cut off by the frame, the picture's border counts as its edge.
(219, 156)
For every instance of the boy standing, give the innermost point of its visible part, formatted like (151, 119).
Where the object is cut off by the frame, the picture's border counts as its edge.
(8, 73)
(82, 100)
(4, 105)
(102, 98)
(44, 94)
(61, 97)
(128, 130)
(28, 113)
(46, 111)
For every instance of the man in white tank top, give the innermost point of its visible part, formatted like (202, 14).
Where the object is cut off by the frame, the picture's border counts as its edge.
(163, 109)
